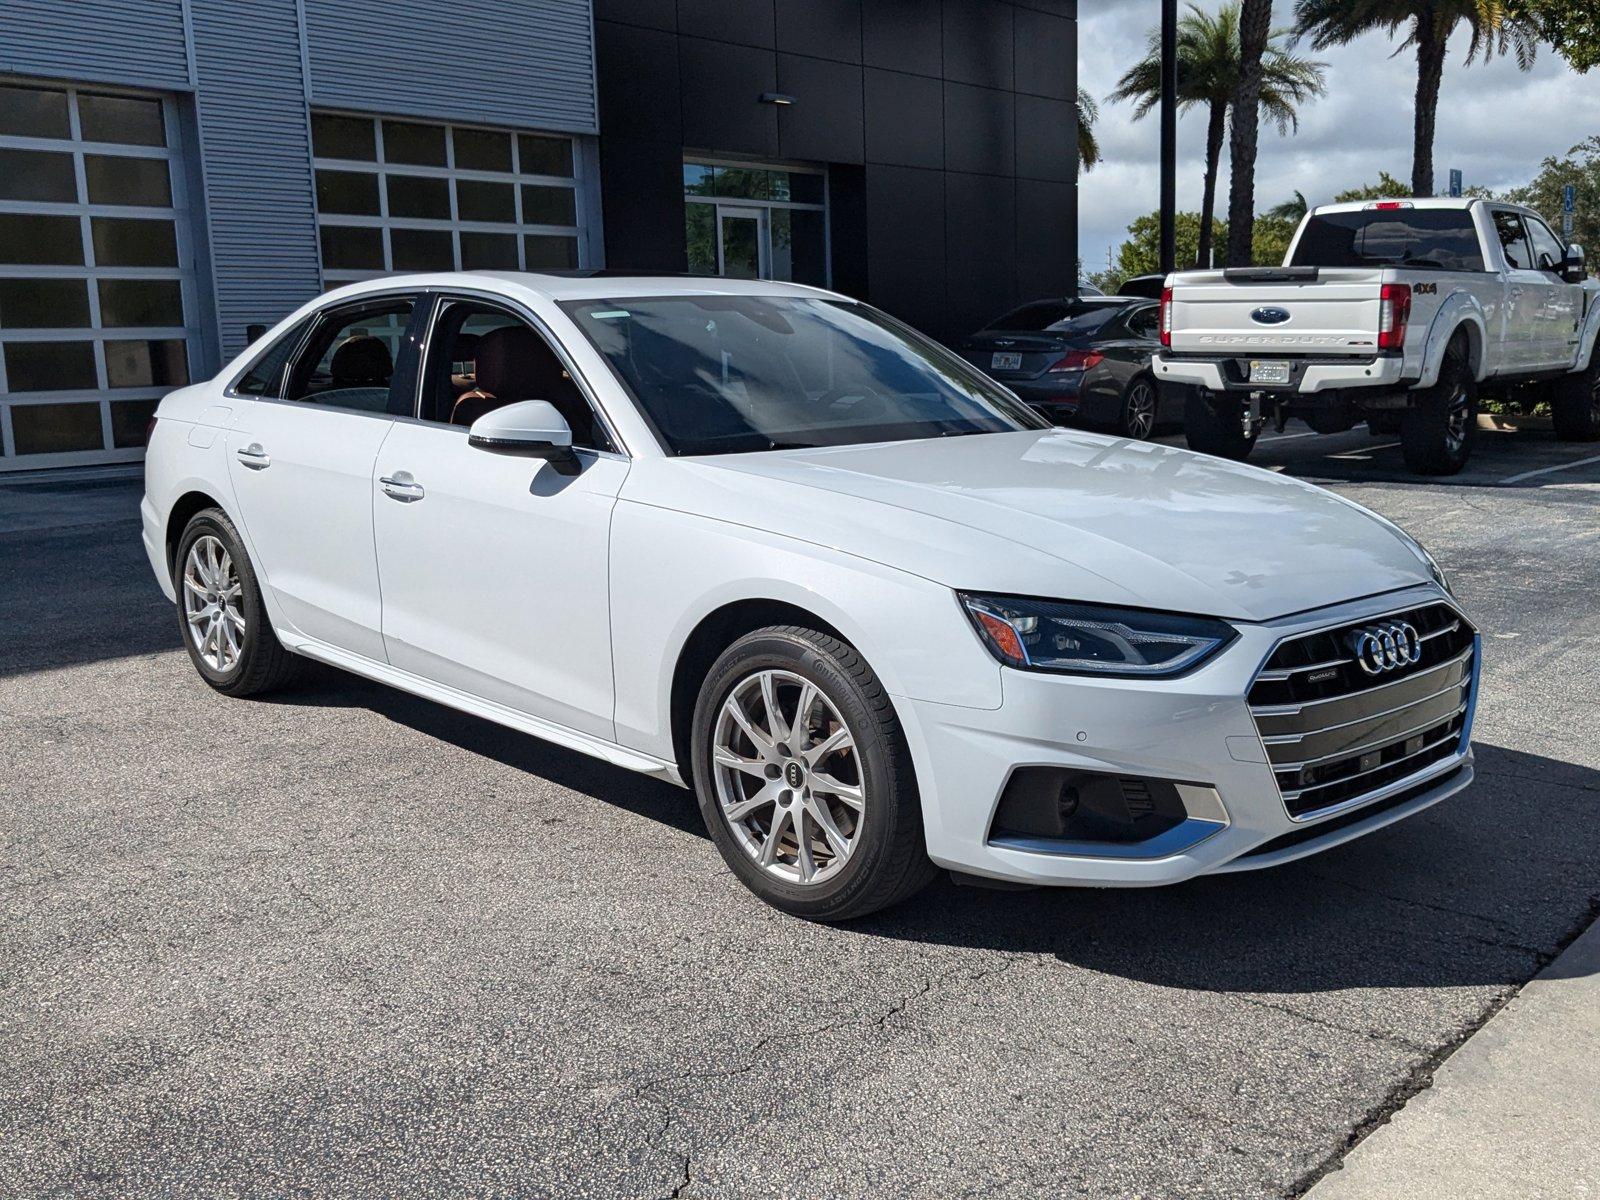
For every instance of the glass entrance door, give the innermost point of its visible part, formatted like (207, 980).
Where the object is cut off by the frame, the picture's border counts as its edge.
(742, 242)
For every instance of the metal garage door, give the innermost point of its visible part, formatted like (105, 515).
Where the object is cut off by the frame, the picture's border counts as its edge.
(97, 300)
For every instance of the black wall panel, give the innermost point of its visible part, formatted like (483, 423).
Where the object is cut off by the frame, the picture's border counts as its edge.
(947, 127)
(821, 28)
(978, 42)
(1046, 54)
(747, 22)
(905, 119)
(721, 93)
(903, 35)
(980, 130)
(825, 122)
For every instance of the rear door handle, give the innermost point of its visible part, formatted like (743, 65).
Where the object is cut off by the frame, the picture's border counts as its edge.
(402, 487)
(254, 456)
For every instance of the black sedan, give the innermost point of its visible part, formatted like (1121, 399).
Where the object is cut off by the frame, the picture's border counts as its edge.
(1085, 360)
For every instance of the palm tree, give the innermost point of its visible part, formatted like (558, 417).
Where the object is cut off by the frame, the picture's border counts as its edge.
(1427, 24)
(1255, 32)
(1291, 210)
(1088, 146)
(1208, 74)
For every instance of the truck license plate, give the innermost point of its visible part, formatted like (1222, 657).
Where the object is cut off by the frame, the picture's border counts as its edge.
(1268, 371)
(1002, 361)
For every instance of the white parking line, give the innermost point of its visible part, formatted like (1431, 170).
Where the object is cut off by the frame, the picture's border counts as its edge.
(1289, 437)
(1365, 452)
(1582, 462)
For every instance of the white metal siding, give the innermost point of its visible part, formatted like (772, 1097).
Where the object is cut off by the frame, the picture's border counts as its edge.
(255, 146)
(527, 65)
(108, 41)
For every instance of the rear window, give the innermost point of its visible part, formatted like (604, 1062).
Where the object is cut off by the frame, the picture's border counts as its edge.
(1058, 316)
(1440, 238)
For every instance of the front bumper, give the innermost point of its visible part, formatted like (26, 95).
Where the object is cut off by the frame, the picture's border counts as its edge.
(1224, 373)
(1196, 731)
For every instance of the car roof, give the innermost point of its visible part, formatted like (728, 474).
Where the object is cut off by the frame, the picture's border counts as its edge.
(579, 285)
(1460, 203)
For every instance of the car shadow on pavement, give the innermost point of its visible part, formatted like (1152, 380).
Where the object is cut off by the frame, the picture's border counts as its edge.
(629, 790)
(1483, 888)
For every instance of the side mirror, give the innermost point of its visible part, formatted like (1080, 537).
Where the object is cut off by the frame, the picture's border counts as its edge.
(529, 429)
(1573, 267)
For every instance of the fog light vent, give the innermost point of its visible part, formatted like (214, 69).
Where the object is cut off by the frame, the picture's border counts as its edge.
(1080, 806)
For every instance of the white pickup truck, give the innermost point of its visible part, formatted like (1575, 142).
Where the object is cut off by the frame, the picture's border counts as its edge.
(1395, 312)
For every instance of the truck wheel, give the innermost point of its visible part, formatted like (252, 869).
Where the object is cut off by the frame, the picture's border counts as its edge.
(1437, 433)
(1215, 428)
(1575, 404)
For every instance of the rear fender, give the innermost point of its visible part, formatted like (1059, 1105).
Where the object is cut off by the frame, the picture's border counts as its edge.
(1461, 310)
(1590, 331)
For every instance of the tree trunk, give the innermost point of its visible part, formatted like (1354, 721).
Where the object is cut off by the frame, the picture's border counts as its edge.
(1430, 70)
(1255, 23)
(1215, 128)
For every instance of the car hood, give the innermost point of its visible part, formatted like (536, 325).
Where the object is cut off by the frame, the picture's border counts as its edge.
(1063, 514)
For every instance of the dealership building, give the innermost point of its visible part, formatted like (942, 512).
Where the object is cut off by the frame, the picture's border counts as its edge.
(176, 174)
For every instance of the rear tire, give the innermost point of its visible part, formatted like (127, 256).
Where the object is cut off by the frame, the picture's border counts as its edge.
(745, 790)
(1437, 433)
(1139, 410)
(1575, 404)
(1211, 431)
(221, 615)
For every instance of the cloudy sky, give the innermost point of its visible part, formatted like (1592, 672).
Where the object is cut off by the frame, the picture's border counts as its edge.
(1495, 122)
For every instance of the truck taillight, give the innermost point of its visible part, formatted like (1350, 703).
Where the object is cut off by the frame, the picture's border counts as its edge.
(1166, 317)
(1394, 311)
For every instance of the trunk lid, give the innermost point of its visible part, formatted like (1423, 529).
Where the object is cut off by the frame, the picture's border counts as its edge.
(1035, 352)
(1327, 311)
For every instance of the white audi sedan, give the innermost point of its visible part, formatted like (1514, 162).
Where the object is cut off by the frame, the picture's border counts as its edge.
(767, 542)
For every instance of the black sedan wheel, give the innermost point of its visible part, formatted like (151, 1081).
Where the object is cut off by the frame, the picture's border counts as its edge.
(1138, 420)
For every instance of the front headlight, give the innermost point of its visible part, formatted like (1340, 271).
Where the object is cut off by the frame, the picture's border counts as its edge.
(1080, 639)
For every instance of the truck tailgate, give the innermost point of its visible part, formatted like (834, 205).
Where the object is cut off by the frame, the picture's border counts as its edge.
(1335, 313)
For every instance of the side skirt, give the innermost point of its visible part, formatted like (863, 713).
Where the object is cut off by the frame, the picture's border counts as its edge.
(619, 756)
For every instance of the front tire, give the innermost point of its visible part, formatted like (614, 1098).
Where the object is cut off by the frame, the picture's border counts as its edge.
(1437, 433)
(221, 614)
(804, 778)
(1575, 404)
(1211, 431)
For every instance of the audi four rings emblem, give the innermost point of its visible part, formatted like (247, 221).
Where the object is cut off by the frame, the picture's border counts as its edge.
(1386, 647)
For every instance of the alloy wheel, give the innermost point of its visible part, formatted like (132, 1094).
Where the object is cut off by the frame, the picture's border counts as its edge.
(1455, 433)
(788, 777)
(212, 600)
(1141, 411)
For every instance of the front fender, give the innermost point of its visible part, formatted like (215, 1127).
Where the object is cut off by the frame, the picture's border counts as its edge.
(1459, 310)
(1590, 331)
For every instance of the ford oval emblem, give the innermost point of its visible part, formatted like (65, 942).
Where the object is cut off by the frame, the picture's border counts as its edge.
(1270, 316)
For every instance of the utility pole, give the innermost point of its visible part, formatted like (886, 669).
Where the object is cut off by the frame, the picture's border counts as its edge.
(1169, 135)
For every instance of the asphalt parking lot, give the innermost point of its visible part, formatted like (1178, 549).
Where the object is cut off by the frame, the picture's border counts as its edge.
(346, 942)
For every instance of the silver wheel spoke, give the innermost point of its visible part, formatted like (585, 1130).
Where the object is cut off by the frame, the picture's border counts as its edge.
(769, 848)
(848, 792)
(837, 740)
(777, 729)
(797, 822)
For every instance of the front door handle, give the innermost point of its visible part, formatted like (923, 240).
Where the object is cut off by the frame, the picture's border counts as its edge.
(254, 456)
(402, 487)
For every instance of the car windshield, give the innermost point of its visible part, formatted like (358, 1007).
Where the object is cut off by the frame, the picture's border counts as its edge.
(730, 374)
(1057, 316)
(1440, 238)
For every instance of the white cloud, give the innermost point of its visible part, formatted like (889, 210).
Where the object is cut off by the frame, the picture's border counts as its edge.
(1496, 123)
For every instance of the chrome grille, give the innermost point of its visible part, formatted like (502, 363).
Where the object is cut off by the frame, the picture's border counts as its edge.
(1336, 734)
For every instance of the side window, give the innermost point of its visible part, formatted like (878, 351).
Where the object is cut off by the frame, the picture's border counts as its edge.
(265, 376)
(1513, 240)
(1142, 324)
(482, 357)
(1548, 251)
(350, 358)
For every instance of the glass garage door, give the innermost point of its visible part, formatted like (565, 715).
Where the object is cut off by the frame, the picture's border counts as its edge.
(398, 195)
(97, 305)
